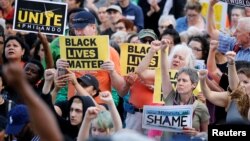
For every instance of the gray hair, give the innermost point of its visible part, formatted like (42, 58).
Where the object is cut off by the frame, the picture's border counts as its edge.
(244, 22)
(190, 57)
(192, 73)
(169, 18)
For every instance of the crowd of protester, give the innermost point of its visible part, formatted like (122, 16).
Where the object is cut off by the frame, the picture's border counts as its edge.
(42, 99)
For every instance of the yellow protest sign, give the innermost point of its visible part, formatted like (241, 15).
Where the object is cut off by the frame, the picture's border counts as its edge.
(220, 13)
(84, 52)
(158, 97)
(132, 54)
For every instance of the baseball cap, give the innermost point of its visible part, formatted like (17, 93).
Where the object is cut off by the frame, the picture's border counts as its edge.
(18, 117)
(114, 8)
(82, 19)
(147, 33)
(89, 80)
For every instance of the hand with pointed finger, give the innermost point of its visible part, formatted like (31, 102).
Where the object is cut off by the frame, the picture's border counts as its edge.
(230, 56)
(106, 97)
(108, 65)
(91, 113)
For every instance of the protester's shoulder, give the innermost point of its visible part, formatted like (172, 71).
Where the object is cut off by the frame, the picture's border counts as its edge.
(55, 43)
(201, 106)
(181, 20)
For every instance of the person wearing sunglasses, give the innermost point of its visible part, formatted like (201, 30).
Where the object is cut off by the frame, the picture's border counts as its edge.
(146, 36)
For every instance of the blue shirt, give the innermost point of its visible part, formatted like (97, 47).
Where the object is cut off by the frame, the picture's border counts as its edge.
(227, 43)
(181, 24)
(134, 13)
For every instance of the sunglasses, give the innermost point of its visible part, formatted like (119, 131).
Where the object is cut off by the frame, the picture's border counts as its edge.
(196, 49)
(146, 40)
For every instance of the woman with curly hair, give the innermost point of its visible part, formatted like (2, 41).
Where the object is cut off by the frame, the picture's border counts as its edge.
(236, 99)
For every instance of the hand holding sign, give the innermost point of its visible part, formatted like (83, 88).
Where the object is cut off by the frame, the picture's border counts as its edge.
(62, 63)
(190, 131)
(230, 57)
(108, 65)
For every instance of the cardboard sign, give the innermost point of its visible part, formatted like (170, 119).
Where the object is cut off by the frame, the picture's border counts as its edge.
(158, 95)
(32, 16)
(132, 55)
(167, 118)
(84, 52)
(243, 3)
(220, 13)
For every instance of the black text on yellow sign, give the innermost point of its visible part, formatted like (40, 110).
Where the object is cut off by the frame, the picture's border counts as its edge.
(84, 53)
(48, 17)
(132, 55)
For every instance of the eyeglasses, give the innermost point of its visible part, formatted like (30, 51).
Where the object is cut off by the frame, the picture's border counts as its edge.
(163, 27)
(146, 40)
(192, 15)
(119, 28)
(196, 49)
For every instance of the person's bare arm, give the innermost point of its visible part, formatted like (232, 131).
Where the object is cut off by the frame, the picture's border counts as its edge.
(141, 70)
(44, 124)
(130, 78)
(107, 98)
(165, 79)
(90, 114)
(211, 28)
(47, 52)
(217, 98)
(117, 81)
(233, 79)
(213, 70)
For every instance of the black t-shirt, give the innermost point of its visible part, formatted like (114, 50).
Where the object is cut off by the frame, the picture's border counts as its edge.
(4, 108)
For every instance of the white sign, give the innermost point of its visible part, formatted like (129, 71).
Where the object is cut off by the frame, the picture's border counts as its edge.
(167, 118)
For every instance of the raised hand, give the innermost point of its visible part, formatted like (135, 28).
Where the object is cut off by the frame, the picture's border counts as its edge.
(164, 44)
(106, 97)
(49, 74)
(155, 46)
(203, 74)
(91, 113)
(61, 81)
(213, 2)
(214, 45)
(13, 74)
(230, 56)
